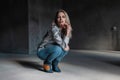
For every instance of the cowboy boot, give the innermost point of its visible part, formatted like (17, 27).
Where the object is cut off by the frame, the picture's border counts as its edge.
(47, 68)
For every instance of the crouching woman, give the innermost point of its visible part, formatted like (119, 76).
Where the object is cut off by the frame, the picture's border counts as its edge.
(55, 45)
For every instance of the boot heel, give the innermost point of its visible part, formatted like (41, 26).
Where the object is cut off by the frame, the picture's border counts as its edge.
(47, 68)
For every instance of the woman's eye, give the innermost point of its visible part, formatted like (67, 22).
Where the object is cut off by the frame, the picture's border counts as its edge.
(63, 16)
(58, 17)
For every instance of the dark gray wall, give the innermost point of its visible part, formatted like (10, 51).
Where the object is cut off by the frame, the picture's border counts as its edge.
(41, 15)
(25, 22)
(92, 21)
(14, 26)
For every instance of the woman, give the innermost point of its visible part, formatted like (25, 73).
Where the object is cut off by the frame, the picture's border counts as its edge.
(55, 44)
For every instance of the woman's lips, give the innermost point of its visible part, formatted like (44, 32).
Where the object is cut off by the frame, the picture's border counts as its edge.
(61, 21)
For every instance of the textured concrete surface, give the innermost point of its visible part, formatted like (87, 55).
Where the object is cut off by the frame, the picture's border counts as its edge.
(77, 65)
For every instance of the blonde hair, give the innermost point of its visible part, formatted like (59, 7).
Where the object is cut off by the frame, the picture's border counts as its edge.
(67, 19)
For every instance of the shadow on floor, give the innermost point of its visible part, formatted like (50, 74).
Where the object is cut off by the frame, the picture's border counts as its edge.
(30, 64)
(116, 63)
(94, 62)
(77, 58)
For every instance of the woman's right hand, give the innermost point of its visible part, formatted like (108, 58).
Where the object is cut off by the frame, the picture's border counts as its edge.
(68, 28)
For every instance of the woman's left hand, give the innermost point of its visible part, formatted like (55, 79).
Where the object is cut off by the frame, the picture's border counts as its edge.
(67, 48)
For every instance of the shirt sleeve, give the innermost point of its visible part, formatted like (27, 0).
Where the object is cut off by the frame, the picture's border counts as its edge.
(66, 40)
(57, 37)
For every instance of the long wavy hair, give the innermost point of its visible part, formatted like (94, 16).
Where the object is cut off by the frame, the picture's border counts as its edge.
(67, 20)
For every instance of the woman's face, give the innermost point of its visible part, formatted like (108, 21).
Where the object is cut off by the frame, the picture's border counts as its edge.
(61, 19)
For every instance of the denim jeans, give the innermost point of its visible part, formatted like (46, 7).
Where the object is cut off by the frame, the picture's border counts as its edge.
(51, 53)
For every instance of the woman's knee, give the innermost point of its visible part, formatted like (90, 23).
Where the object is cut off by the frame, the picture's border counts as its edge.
(59, 58)
(41, 55)
(57, 49)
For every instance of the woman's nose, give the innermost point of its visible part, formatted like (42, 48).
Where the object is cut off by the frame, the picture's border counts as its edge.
(60, 18)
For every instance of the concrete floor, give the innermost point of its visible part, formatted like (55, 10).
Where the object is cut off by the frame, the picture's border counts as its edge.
(77, 65)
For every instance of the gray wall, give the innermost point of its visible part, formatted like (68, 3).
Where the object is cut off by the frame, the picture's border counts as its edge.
(41, 15)
(25, 22)
(14, 26)
(92, 21)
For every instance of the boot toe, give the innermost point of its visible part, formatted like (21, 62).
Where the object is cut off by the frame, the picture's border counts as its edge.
(56, 69)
